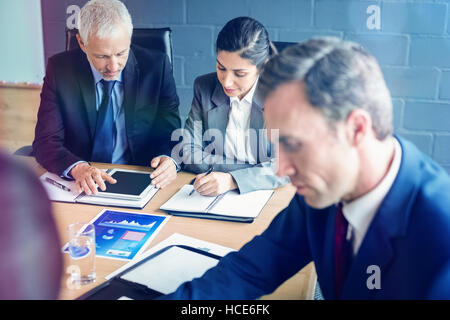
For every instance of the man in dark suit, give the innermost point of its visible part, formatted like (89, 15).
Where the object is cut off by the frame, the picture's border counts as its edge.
(31, 262)
(108, 102)
(371, 211)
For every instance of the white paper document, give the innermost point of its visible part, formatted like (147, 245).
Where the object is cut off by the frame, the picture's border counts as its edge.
(242, 205)
(57, 194)
(231, 203)
(189, 203)
(165, 272)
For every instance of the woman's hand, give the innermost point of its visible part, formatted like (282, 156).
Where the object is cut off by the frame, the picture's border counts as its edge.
(214, 183)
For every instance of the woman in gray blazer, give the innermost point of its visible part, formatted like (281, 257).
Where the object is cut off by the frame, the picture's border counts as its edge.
(224, 140)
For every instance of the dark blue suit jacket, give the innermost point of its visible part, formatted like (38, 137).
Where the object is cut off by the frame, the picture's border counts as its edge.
(67, 114)
(408, 240)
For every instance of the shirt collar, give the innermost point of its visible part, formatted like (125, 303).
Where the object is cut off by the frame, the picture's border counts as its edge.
(248, 97)
(98, 76)
(360, 212)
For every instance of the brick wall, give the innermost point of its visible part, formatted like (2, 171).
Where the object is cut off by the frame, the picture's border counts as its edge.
(411, 40)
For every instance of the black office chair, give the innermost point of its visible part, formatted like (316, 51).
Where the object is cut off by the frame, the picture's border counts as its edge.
(24, 151)
(151, 38)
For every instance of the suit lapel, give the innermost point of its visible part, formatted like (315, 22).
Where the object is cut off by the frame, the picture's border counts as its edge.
(220, 108)
(256, 123)
(376, 250)
(328, 276)
(219, 113)
(390, 222)
(87, 86)
(130, 85)
(256, 114)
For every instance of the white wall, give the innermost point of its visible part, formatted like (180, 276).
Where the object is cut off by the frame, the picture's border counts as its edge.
(21, 41)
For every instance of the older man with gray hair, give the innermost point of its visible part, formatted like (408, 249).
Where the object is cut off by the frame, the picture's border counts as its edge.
(109, 101)
(371, 211)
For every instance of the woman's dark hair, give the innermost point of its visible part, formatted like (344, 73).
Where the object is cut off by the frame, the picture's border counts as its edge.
(248, 38)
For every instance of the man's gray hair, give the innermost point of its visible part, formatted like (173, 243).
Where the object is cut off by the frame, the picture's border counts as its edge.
(339, 76)
(103, 17)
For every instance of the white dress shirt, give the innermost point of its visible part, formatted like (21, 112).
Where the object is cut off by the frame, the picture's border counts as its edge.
(237, 137)
(361, 211)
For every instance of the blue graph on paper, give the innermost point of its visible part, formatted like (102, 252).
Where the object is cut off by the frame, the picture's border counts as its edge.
(136, 222)
(123, 234)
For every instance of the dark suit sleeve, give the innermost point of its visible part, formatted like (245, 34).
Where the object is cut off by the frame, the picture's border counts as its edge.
(48, 144)
(440, 286)
(168, 117)
(260, 266)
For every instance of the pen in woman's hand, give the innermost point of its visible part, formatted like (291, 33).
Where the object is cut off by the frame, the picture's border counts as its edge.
(211, 168)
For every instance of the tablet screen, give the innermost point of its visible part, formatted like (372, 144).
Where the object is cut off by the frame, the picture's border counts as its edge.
(128, 183)
(165, 272)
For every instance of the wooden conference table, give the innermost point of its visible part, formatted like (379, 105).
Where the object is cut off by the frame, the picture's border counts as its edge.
(229, 234)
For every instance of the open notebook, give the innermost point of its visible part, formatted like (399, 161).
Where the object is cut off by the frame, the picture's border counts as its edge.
(227, 206)
(125, 190)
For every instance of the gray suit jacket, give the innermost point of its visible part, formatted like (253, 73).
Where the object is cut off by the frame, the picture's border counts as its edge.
(204, 138)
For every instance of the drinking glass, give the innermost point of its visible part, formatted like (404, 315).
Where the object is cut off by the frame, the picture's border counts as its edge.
(82, 253)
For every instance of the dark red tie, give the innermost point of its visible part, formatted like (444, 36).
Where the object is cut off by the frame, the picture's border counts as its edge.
(342, 251)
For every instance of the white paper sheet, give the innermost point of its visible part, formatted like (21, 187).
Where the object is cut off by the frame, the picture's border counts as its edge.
(247, 205)
(167, 271)
(119, 202)
(176, 239)
(182, 201)
(58, 194)
(242, 205)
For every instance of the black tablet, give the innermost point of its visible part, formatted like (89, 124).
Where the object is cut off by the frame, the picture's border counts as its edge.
(131, 185)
